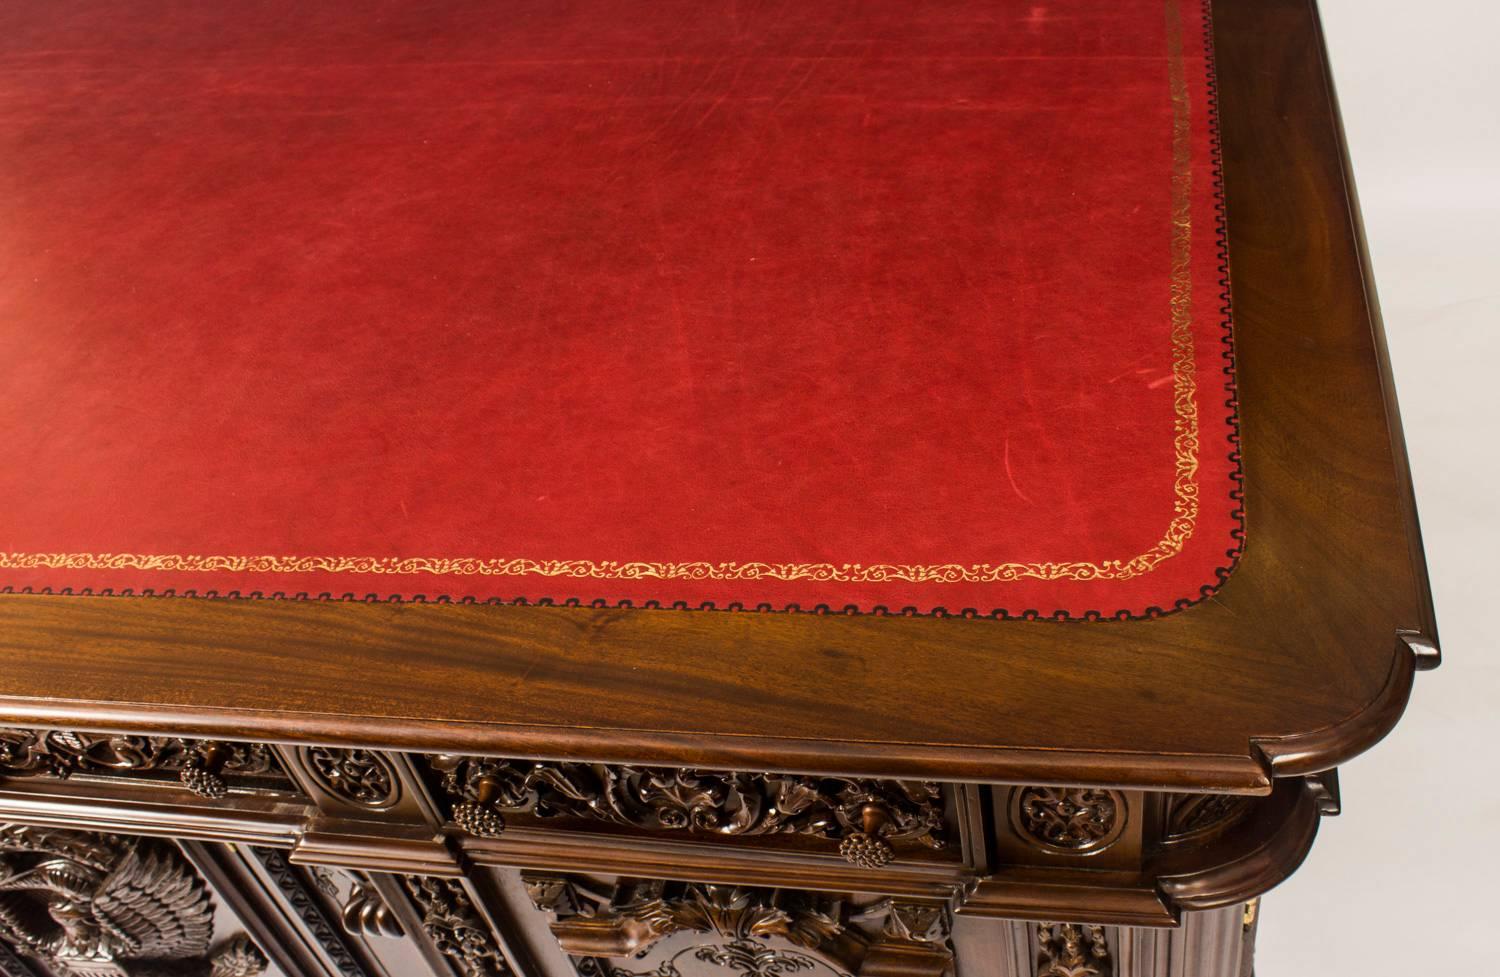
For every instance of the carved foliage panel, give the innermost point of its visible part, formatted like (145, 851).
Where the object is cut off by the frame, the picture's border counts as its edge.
(864, 816)
(207, 767)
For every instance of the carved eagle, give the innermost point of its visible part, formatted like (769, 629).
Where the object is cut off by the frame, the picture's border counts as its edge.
(106, 897)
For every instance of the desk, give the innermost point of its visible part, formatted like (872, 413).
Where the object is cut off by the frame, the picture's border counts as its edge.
(561, 489)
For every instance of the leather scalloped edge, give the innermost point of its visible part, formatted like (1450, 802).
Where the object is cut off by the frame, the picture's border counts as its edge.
(1221, 573)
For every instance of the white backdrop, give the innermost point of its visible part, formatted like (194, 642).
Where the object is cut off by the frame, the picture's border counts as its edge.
(1400, 883)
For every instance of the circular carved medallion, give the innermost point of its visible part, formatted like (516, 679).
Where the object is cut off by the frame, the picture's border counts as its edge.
(1068, 819)
(360, 777)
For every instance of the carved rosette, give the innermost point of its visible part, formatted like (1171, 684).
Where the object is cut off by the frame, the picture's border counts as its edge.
(865, 816)
(91, 905)
(1068, 819)
(455, 927)
(201, 765)
(363, 778)
(1071, 950)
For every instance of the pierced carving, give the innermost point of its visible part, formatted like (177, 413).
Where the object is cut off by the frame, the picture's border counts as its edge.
(361, 777)
(1196, 814)
(97, 905)
(864, 816)
(1071, 950)
(455, 926)
(1068, 819)
(201, 765)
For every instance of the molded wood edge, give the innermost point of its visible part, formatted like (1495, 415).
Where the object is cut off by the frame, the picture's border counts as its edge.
(1273, 855)
(1299, 754)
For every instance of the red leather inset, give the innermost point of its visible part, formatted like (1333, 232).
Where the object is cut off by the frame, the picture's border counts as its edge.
(871, 304)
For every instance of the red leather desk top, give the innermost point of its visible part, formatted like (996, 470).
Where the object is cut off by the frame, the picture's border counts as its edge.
(870, 305)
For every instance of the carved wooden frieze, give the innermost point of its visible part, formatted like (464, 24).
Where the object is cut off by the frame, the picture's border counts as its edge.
(206, 767)
(97, 905)
(1072, 950)
(864, 816)
(651, 928)
(455, 927)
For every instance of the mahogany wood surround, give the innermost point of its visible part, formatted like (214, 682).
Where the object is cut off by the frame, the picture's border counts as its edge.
(848, 774)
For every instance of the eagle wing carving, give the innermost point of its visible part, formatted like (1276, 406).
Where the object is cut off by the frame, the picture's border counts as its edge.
(152, 904)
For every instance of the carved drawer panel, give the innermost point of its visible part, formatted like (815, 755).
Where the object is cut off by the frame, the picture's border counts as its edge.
(208, 768)
(870, 823)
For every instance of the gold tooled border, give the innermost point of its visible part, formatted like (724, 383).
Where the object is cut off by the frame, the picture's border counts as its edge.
(1185, 486)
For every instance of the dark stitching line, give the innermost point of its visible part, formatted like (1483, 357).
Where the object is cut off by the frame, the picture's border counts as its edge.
(1236, 475)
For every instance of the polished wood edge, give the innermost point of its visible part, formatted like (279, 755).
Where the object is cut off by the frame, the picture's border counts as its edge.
(555, 851)
(412, 850)
(1202, 773)
(272, 824)
(1324, 749)
(1268, 757)
(1030, 898)
(1272, 847)
(1432, 657)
